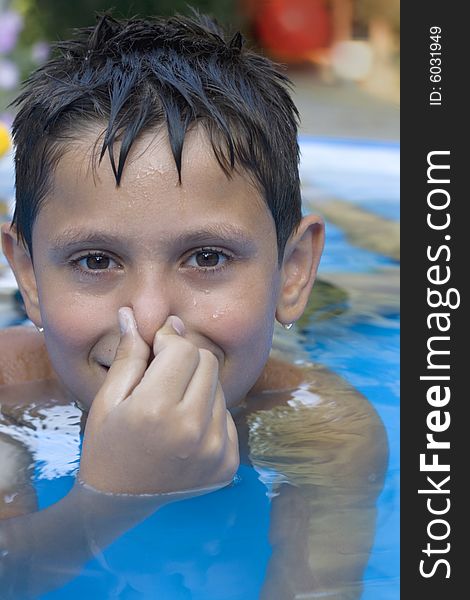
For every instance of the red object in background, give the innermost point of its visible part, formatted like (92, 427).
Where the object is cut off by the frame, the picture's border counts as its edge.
(293, 29)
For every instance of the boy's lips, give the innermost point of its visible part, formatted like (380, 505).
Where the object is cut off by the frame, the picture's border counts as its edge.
(107, 366)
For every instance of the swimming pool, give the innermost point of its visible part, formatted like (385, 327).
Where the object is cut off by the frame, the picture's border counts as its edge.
(212, 547)
(364, 347)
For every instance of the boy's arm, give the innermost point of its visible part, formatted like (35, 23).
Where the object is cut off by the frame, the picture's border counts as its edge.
(43, 550)
(333, 455)
(150, 438)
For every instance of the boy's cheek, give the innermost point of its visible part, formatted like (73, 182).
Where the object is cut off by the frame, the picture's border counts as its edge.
(245, 337)
(241, 329)
(67, 325)
(246, 316)
(70, 334)
(241, 323)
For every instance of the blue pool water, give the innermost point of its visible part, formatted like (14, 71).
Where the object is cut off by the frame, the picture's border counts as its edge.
(213, 547)
(365, 352)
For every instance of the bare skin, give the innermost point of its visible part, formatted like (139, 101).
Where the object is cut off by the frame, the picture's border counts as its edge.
(190, 274)
(339, 492)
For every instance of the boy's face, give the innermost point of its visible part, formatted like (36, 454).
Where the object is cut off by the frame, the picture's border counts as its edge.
(205, 251)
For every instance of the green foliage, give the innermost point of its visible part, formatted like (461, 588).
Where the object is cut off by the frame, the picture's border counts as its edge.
(55, 19)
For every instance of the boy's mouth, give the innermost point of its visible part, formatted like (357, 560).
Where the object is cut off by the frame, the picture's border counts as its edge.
(106, 367)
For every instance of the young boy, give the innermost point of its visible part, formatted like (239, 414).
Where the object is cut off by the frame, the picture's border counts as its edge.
(157, 237)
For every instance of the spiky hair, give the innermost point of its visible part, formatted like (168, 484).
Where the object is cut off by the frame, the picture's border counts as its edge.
(133, 76)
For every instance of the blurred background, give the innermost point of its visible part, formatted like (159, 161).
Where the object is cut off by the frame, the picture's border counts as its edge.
(339, 46)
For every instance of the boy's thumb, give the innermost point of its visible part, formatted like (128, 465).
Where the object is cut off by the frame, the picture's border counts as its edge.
(129, 364)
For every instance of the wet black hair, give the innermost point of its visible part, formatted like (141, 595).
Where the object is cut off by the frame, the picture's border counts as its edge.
(133, 76)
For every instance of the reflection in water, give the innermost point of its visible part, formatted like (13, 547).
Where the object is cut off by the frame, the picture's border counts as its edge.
(331, 451)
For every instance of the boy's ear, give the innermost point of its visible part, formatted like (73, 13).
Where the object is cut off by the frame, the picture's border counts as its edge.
(299, 268)
(21, 264)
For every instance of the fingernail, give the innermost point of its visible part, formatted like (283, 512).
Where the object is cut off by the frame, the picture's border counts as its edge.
(177, 324)
(125, 319)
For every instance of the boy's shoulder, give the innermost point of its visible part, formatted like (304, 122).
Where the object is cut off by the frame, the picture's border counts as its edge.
(284, 379)
(26, 383)
(312, 388)
(314, 416)
(23, 356)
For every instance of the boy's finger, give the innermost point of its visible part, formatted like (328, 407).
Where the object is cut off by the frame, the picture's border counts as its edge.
(173, 326)
(170, 372)
(129, 364)
(199, 396)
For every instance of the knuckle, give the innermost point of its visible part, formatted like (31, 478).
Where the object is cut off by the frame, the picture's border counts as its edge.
(186, 349)
(215, 446)
(192, 436)
(145, 417)
(134, 419)
(152, 414)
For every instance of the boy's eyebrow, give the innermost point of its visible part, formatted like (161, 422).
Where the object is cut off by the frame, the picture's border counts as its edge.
(212, 231)
(69, 237)
(216, 231)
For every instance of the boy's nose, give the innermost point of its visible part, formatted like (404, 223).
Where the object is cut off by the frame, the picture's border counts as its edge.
(152, 306)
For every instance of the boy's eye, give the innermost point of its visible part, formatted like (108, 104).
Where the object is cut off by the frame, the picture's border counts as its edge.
(208, 258)
(95, 262)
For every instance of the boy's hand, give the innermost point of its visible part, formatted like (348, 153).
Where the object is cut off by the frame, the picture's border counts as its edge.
(161, 428)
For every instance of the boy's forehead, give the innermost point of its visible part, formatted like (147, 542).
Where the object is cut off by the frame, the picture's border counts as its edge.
(85, 189)
(150, 156)
(84, 152)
